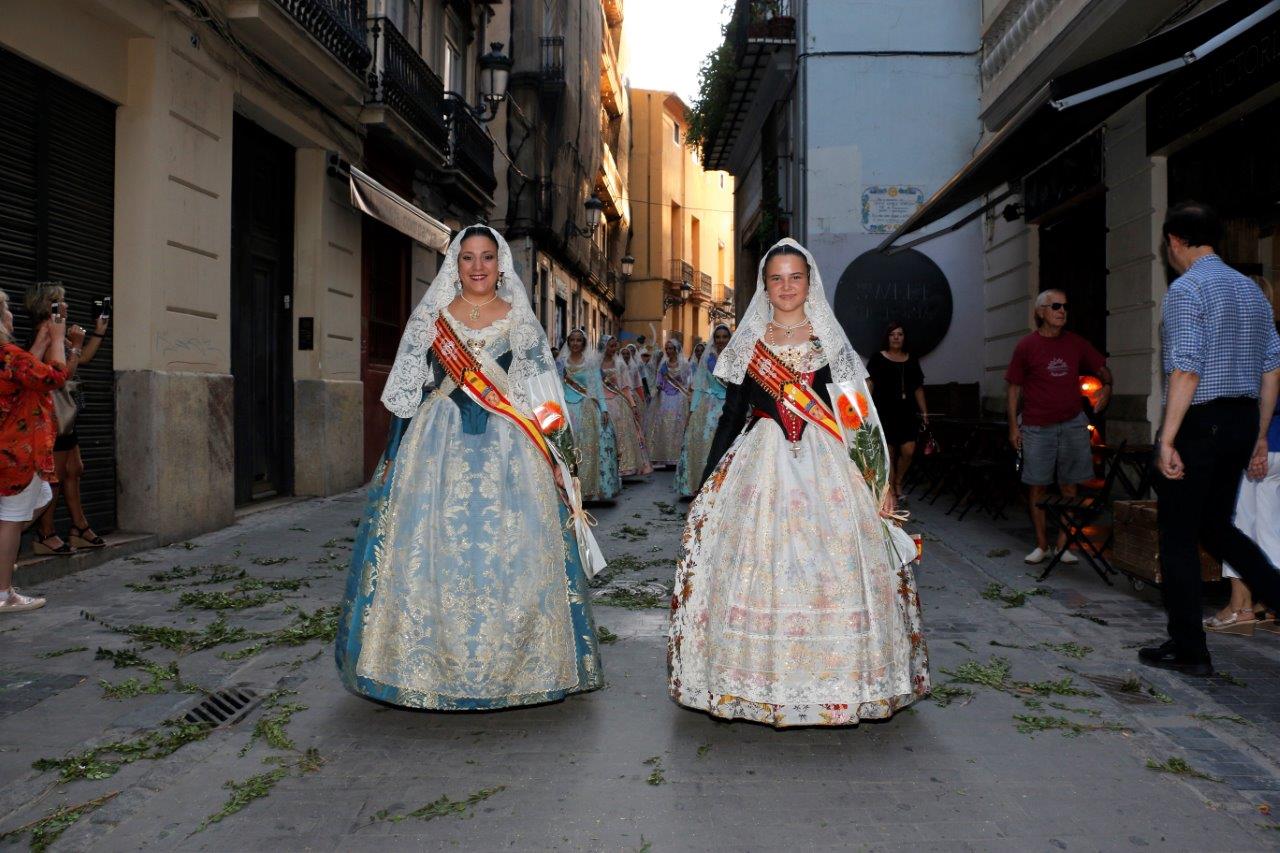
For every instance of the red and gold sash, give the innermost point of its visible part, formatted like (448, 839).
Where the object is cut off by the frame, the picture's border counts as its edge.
(465, 370)
(782, 383)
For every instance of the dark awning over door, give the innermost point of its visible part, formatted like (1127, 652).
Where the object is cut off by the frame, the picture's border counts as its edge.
(1075, 103)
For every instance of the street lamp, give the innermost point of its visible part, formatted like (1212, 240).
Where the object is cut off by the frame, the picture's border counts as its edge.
(628, 266)
(495, 72)
(594, 208)
(670, 300)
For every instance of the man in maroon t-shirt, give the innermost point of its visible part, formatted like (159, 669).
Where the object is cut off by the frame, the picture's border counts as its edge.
(1044, 375)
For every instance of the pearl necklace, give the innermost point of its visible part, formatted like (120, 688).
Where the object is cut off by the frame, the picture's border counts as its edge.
(474, 314)
(787, 330)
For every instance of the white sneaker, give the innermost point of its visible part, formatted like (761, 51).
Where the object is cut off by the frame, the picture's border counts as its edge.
(15, 603)
(1069, 558)
(1036, 556)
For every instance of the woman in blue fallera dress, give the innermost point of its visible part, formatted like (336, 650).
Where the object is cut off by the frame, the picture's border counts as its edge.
(593, 433)
(467, 588)
(704, 415)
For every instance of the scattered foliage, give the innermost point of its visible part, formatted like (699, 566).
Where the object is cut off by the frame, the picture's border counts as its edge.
(46, 830)
(102, 762)
(656, 776)
(60, 652)
(244, 793)
(1012, 598)
(1179, 767)
(605, 636)
(442, 807)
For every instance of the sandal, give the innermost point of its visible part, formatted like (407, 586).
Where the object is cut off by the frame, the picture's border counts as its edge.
(41, 548)
(84, 537)
(1241, 622)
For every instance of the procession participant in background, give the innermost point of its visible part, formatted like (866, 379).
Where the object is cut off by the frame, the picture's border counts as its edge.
(1221, 358)
(897, 388)
(794, 603)
(624, 412)
(27, 434)
(1044, 377)
(704, 415)
(648, 373)
(669, 409)
(698, 349)
(589, 414)
(468, 589)
(631, 361)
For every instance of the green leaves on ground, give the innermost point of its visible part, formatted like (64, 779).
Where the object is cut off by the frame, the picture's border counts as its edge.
(223, 600)
(633, 599)
(271, 727)
(1224, 718)
(605, 636)
(1028, 724)
(656, 776)
(60, 652)
(944, 694)
(1178, 767)
(442, 807)
(322, 625)
(1012, 598)
(630, 532)
(179, 640)
(46, 830)
(244, 793)
(102, 762)
(1133, 684)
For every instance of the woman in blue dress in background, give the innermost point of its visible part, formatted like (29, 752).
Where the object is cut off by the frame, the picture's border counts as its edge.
(468, 589)
(704, 415)
(593, 434)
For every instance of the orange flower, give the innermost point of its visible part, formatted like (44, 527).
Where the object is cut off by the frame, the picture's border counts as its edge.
(863, 407)
(849, 415)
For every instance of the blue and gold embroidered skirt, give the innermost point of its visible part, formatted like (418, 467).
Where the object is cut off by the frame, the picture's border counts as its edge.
(466, 590)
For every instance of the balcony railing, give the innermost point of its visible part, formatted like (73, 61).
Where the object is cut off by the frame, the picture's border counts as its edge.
(552, 59)
(704, 284)
(726, 294)
(763, 20)
(401, 79)
(470, 148)
(337, 24)
(681, 272)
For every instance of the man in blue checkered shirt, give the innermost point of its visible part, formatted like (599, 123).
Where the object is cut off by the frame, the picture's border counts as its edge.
(1222, 368)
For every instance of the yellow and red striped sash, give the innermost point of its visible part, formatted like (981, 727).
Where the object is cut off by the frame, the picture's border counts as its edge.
(575, 384)
(782, 383)
(465, 370)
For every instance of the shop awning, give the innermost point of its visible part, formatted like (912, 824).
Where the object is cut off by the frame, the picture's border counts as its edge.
(1072, 105)
(401, 214)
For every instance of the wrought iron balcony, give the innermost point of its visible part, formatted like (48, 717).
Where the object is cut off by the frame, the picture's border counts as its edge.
(401, 79)
(337, 24)
(704, 284)
(552, 48)
(470, 148)
(726, 294)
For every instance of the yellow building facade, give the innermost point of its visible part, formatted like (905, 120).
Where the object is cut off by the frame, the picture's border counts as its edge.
(682, 229)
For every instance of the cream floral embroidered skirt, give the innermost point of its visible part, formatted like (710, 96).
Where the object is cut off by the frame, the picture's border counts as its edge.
(788, 607)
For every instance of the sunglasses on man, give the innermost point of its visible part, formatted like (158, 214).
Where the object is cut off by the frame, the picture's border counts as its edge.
(1057, 306)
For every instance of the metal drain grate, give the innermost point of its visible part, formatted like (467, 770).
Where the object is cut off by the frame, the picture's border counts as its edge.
(1121, 689)
(224, 707)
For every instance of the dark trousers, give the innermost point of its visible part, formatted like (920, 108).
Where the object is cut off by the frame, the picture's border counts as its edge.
(1215, 443)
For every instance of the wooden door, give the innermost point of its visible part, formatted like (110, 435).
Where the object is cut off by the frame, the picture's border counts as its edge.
(384, 310)
(261, 295)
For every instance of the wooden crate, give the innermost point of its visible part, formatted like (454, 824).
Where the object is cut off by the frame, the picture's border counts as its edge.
(1136, 548)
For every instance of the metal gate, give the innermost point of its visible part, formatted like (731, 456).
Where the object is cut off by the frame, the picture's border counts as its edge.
(57, 197)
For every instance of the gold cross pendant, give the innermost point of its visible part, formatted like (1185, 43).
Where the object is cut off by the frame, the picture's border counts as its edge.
(795, 449)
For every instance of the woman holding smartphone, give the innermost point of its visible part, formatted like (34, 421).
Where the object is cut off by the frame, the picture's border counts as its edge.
(41, 300)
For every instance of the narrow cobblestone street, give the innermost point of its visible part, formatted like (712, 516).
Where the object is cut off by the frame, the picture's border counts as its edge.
(1053, 751)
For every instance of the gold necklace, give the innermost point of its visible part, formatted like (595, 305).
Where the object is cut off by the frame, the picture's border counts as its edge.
(773, 324)
(474, 314)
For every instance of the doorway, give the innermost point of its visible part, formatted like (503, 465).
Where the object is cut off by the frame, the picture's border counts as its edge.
(384, 312)
(261, 301)
(1073, 259)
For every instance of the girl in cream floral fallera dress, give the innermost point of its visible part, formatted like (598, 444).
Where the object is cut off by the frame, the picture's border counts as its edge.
(795, 603)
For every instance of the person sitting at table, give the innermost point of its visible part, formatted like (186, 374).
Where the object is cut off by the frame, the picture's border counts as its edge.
(1044, 377)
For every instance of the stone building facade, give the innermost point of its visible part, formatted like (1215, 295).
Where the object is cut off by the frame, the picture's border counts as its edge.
(212, 147)
(683, 240)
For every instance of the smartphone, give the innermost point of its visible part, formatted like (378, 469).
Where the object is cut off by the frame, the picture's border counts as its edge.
(55, 310)
(104, 306)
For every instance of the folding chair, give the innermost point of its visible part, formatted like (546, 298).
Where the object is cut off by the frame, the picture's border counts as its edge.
(1072, 515)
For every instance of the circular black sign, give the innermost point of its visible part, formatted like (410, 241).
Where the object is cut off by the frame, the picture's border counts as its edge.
(908, 287)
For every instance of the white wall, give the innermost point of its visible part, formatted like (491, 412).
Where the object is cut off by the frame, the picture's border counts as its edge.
(901, 120)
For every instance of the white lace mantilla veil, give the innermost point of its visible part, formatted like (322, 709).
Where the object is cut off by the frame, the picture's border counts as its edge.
(534, 380)
(589, 358)
(846, 366)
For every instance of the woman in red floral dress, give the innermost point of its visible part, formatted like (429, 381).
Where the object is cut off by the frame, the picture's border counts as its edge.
(27, 433)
